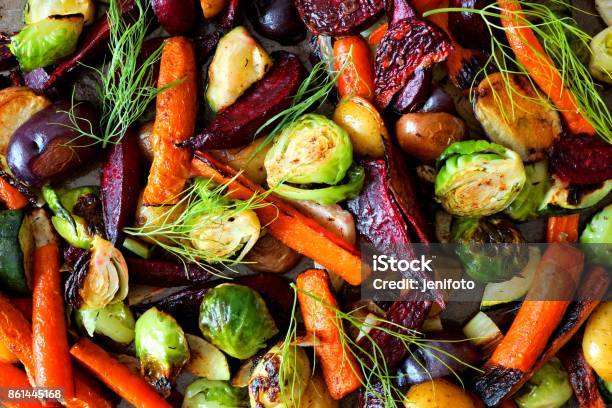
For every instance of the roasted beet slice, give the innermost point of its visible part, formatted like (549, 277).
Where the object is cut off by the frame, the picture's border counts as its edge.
(236, 125)
(338, 17)
(409, 43)
(7, 59)
(414, 94)
(155, 272)
(582, 159)
(120, 184)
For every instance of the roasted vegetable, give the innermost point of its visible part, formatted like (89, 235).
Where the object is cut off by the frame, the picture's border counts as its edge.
(582, 378)
(48, 148)
(236, 125)
(483, 332)
(605, 11)
(206, 360)
(280, 377)
(329, 18)
(37, 10)
(426, 135)
(114, 321)
(249, 159)
(46, 41)
(581, 159)
(272, 256)
(239, 62)
(564, 197)
(161, 347)
(277, 20)
(316, 394)
(353, 62)
(158, 272)
(478, 178)
(525, 206)
(415, 92)
(17, 105)
(469, 29)
(211, 8)
(236, 319)
(599, 231)
(548, 388)
(205, 393)
(514, 115)
(14, 254)
(437, 393)
(176, 16)
(151, 217)
(597, 344)
(601, 56)
(363, 124)
(482, 251)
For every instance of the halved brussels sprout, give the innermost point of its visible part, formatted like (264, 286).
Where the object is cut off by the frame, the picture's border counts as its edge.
(46, 41)
(525, 206)
(236, 319)
(280, 378)
(348, 188)
(482, 251)
(114, 321)
(563, 197)
(205, 393)
(478, 178)
(36, 10)
(601, 56)
(161, 347)
(548, 388)
(313, 149)
(598, 232)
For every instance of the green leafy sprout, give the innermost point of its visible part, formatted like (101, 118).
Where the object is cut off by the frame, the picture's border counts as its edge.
(559, 35)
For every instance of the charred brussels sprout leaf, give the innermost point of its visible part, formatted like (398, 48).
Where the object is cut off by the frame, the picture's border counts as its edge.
(236, 319)
(490, 249)
(525, 206)
(161, 347)
(46, 41)
(597, 237)
(477, 178)
(113, 321)
(548, 388)
(204, 393)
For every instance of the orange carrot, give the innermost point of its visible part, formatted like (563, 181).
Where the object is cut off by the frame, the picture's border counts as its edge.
(89, 393)
(358, 75)
(531, 55)
(13, 378)
(50, 336)
(174, 122)
(24, 305)
(16, 335)
(563, 228)
(285, 223)
(128, 385)
(377, 35)
(340, 370)
(11, 197)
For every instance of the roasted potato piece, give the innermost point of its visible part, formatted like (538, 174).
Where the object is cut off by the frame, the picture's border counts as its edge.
(364, 125)
(272, 256)
(17, 105)
(438, 393)
(317, 395)
(144, 140)
(242, 158)
(515, 115)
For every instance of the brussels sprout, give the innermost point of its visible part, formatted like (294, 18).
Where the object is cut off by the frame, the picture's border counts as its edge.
(349, 188)
(205, 393)
(482, 251)
(526, 204)
(478, 178)
(599, 231)
(548, 388)
(563, 197)
(239, 62)
(36, 10)
(113, 321)
(280, 378)
(313, 149)
(161, 347)
(601, 56)
(45, 42)
(236, 319)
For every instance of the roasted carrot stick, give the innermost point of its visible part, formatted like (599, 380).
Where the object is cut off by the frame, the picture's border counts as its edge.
(377, 35)
(13, 378)
(358, 75)
(531, 55)
(132, 387)
(11, 197)
(16, 335)
(50, 345)
(174, 122)
(563, 228)
(24, 305)
(581, 377)
(340, 370)
(287, 224)
(89, 393)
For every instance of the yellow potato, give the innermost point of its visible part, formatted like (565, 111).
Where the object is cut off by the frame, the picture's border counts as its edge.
(597, 341)
(242, 158)
(211, 8)
(151, 217)
(316, 395)
(364, 125)
(438, 393)
(17, 105)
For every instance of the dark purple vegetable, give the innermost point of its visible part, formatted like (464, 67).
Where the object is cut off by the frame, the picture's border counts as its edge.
(75, 280)
(414, 93)
(48, 148)
(7, 59)
(89, 207)
(156, 272)
(277, 20)
(439, 101)
(175, 16)
(36, 79)
(469, 29)
(120, 185)
(228, 19)
(581, 159)
(236, 125)
(206, 44)
(427, 362)
(409, 43)
(338, 17)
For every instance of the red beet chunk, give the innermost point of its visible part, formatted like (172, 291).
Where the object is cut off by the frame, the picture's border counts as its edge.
(338, 17)
(582, 159)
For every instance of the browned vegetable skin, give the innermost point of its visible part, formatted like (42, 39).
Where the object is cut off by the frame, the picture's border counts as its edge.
(581, 377)
(272, 256)
(162, 273)
(338, 18)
